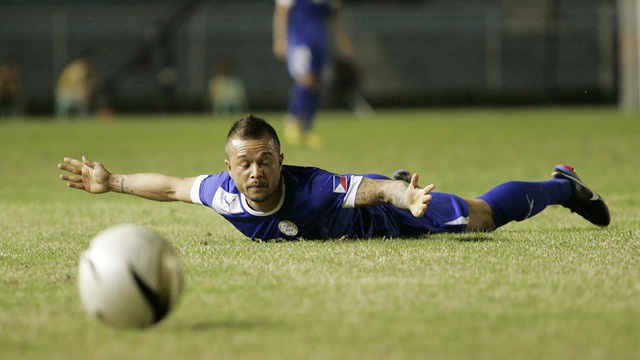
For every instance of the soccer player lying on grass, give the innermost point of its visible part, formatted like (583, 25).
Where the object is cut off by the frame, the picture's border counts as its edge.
(265, 199)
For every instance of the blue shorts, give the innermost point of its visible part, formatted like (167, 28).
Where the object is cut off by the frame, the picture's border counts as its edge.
(445, 213)
(304, 59)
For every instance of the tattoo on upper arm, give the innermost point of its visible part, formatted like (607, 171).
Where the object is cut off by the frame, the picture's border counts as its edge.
(368, 194)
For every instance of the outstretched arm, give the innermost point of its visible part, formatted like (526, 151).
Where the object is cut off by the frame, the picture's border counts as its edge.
(340, 35)
(395, 192)
(93, 177)
(280, 21)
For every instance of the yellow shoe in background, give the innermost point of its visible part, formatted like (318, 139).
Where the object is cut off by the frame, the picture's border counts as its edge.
(313, 141)
(292, 132)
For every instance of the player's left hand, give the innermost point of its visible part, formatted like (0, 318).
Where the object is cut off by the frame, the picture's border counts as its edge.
(85, 175)
(418, 198)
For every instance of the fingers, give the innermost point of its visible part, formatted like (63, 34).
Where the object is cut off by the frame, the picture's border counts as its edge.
(419, 209)
(74, 162)
(69, 168)
(414, 183)
(79, 186)
(88, 162)
(421, 196)
(426, 197)
(77, 163)
(414, 180)
(74, 167)
(429, 188)
(74, 179)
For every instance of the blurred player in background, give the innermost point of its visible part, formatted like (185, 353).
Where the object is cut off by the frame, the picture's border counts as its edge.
(75, 88)
(227, 91)
(301, 31)
(346, 88)
(12, 100)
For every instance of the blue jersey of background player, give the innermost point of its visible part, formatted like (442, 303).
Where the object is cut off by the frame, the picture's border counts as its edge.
(265, 199)
(317, 204)
(301, 35)
(307, 23)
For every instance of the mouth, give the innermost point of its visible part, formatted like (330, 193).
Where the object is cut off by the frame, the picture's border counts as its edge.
(258, 186)
(257, 192)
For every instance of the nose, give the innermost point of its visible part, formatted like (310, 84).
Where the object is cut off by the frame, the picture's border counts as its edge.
(256, 171)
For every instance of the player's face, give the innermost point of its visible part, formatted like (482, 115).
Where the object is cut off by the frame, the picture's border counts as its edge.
(255, 167)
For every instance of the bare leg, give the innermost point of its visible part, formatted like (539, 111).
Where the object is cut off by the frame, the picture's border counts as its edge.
(309, 80)
(480, 216)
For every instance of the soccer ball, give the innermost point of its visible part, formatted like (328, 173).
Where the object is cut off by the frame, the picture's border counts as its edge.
(129, 277)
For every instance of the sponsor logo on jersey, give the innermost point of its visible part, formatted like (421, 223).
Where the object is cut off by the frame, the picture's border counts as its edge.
(288, 228)
(339, 184)
(226, 203)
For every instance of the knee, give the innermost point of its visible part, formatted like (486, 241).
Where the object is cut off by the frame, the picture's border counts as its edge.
(308, 80)
(480, 216)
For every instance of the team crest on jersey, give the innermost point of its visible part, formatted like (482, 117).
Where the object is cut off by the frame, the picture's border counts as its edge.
(339, 184)
(288, 228)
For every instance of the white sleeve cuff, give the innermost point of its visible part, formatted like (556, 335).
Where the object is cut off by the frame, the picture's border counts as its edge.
(286, 3)
(350, 198)
(195, 189)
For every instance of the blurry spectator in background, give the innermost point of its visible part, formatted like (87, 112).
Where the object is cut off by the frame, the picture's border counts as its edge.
(226, 91)
(12, 100)
(301, 36)
(346, 88)
(75, 88)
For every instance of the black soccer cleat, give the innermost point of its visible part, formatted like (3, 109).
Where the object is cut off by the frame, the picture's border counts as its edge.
(403, 175)
(584, 201)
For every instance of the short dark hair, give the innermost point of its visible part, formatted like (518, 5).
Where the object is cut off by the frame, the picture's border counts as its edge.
(252, 128)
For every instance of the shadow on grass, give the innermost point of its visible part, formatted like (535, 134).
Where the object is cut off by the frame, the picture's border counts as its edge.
(224, 325)
(474, 238)
(464, 237)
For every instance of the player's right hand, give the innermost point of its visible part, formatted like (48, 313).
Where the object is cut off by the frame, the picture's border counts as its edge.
(85, 175)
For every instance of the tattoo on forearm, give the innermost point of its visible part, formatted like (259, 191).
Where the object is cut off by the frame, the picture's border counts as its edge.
(382, 192)
(398, 195)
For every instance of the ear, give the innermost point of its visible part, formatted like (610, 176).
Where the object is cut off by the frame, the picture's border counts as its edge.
(226, 162)
(281, 159)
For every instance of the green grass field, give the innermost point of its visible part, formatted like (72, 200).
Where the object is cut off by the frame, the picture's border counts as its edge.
(553, 287)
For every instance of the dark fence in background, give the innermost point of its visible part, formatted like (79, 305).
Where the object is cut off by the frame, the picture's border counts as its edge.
(412, 53)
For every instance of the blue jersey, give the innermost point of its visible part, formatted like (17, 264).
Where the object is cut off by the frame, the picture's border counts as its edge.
(307, 23)
(307, 35)
(317, 204)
